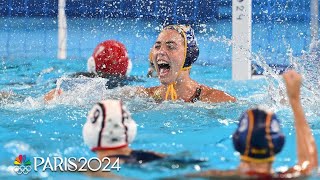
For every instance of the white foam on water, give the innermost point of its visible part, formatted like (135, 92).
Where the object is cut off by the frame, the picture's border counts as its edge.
(20, 147)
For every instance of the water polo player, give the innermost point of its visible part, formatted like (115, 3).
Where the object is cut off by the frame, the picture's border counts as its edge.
(109, 130)
(259, 139)
(109, 60)
(173, 54)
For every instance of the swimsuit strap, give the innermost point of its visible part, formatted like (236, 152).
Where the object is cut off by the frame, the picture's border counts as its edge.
(196, 96)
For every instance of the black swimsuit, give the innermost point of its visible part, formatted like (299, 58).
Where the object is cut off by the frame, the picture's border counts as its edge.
(196, 96)
(138, 157)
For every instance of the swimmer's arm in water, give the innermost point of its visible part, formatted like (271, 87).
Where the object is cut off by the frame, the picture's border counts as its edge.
(306, 147)
(52, 94)
(153, 92)
(123, 92)
(145, 92)
(216, 96)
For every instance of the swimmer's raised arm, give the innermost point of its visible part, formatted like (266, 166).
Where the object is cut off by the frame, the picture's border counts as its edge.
(306, 147)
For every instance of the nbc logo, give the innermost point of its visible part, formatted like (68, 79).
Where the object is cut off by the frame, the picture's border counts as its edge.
(22, 165)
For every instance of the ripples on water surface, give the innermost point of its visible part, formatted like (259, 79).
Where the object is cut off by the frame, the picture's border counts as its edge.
(199, 130)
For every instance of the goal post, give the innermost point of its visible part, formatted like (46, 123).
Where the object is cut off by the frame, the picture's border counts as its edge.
(314, 25)
(62, 30)
(241, 39)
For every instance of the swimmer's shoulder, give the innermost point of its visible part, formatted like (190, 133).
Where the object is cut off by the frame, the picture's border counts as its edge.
(214, 95)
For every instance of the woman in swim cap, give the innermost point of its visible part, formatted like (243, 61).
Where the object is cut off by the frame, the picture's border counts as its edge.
(258, 139)
(109, 130)
(173, 54)
(109, 60)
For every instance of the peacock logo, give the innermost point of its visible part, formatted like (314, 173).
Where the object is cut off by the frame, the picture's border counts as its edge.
(22, 165)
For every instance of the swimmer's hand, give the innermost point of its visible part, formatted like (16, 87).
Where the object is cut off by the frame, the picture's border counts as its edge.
(52, 94)
(293, 83)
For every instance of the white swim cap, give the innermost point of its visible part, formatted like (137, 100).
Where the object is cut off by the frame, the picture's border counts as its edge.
(109, 126)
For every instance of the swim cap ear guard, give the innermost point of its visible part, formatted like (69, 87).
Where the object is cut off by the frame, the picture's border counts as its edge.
(258, 136)
(192, 50)
(109, 126)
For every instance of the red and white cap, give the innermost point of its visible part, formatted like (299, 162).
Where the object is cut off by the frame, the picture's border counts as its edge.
(110, 57)
(109, 126)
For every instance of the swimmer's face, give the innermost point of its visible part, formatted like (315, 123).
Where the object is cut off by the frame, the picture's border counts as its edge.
(168, 55)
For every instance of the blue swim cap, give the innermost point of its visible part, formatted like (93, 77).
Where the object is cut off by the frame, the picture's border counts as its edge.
(192, 50)
(258, 136)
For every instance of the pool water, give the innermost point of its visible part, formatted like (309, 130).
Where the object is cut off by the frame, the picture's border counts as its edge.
(200, 130)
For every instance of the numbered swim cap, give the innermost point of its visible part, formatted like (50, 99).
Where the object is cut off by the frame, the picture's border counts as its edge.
(109, 126)
(191, 45)
(258, 137)
(110, 57)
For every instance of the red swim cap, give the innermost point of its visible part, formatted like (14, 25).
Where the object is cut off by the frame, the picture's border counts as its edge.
(111, 57)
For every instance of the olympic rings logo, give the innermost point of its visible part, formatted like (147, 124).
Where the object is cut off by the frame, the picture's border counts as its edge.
(22, 169)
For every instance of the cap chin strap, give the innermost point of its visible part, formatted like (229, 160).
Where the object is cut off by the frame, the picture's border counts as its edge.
(171, 87)
(171, 91)
(256, 160)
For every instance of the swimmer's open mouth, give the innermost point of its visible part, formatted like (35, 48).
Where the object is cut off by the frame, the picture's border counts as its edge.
(163, 65)
(164, 68)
